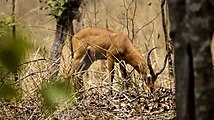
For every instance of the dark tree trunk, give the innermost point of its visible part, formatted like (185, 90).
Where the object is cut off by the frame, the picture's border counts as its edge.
(168, 41)
(57, 46)
(64, 27)
(192, 26)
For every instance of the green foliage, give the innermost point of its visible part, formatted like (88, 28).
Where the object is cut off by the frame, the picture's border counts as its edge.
(5, 24)
(12, 52)
(55, 7)
(55, 93)
(8, 91)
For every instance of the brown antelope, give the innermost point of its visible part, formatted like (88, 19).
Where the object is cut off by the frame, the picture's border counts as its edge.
(93, 44)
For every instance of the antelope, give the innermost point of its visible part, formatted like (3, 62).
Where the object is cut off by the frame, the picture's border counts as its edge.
(93, 44)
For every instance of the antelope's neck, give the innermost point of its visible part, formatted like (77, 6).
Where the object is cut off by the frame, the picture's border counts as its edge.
(136, 60)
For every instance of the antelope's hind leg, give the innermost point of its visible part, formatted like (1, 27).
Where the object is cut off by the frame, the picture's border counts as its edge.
(87, 60)
(76, 66)
(73, 72)
(79, 66)
(111, 61)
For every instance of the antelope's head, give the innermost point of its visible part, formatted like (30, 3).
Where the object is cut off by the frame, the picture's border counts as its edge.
(152, 76)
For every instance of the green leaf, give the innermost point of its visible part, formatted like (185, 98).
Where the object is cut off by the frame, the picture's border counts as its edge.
(56, 93)
(12, 50)
(55, 7)
(8, 92)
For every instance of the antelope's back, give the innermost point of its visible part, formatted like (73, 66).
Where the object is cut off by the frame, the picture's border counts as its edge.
(101, 37)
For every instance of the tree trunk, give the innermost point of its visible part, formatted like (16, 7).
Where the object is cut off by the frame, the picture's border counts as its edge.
(57, 46)
(192, 25)
(64, 27)
(168, 41)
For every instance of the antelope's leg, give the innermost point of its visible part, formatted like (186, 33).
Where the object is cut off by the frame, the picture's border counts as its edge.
(76, 67)
(77, 81)
(111, 61)
(123, 69)
(126, 82)
(87, 60)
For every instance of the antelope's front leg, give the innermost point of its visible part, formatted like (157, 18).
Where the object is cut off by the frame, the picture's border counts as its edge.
(126, 82)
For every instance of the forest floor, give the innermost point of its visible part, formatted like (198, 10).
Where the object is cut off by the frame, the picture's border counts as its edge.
(95, 105)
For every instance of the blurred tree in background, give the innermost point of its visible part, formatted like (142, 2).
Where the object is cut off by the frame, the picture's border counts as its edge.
(192, 26)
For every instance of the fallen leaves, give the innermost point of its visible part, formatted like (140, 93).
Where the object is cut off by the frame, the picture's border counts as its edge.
(157, 105)
(97, 105)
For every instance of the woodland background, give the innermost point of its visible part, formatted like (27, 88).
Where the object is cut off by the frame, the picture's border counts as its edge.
(144, 26)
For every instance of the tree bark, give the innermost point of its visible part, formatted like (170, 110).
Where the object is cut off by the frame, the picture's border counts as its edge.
(57, 46)
(192, 26)
(64, 27)
(168, 41)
